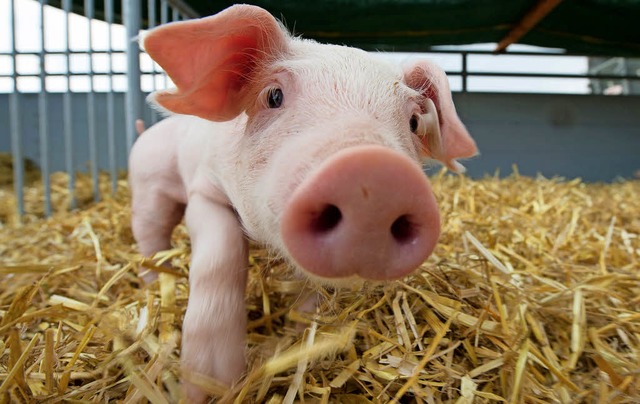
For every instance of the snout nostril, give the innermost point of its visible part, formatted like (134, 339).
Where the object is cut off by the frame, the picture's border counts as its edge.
(327, 219)
(402, 230)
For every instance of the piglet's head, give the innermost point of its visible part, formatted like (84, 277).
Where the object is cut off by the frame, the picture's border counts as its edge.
(326, 169)
(211, 60)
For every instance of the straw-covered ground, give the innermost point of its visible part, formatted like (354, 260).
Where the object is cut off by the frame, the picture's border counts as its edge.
(533, 295)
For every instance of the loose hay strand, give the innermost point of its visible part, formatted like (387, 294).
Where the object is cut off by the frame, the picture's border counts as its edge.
(577, 328)
(605, 248)
(17, 367)
(296, 385)
(112, 281)
(521, 363)
(66, 374)
(49, 360)
(322, 346)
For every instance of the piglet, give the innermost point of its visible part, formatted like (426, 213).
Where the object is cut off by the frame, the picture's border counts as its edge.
(313, 150)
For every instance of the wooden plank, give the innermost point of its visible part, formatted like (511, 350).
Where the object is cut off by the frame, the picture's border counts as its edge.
(526, 24)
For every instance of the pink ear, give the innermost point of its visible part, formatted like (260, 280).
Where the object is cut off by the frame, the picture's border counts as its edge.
(431, 81)
(210, 60)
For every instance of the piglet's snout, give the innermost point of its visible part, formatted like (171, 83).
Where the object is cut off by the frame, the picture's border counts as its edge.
(367, 211)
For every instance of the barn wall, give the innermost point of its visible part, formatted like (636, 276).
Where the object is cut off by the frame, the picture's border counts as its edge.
(596, 138)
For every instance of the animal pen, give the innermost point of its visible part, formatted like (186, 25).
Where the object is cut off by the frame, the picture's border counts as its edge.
(530, 296)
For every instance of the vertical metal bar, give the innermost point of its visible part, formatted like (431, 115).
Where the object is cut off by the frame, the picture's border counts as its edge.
(464, 72)
(624, 71)
(164, 18)
(42, 119)
(133, 102)
(16, 149)
(91, 110)
(151, 19)
(151, 14)
(111, 135)
(66, 114)
(14, 118)
(175, 15)
(164, 12)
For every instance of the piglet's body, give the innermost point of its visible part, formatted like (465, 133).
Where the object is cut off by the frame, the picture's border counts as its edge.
(313, 150)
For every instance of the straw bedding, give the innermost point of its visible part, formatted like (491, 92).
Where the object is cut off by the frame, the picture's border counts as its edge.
(533, 295)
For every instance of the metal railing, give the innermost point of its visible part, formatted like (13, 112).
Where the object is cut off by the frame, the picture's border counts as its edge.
(464, 66)
(168, 10)
(466, 74)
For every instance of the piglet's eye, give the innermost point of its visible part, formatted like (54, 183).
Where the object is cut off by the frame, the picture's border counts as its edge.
(275, 97)
(413, 123)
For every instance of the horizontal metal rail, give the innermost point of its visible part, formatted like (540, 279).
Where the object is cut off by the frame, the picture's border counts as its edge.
(465, 72)
(449, 72)
(65, 53)
(545, 75)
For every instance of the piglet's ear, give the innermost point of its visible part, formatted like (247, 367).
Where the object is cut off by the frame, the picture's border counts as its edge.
(212, 59)
(455, 142)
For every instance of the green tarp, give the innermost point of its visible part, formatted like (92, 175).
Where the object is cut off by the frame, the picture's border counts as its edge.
(591, 27)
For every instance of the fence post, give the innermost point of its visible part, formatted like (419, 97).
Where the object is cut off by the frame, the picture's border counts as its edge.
(14, 120)
(89, 13)
(133, 101)
(43, 129)
(464, 72)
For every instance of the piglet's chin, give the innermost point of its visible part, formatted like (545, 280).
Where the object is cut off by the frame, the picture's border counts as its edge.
(353, 282)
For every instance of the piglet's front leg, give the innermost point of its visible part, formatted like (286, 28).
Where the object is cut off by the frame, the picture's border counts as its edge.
(214, 329)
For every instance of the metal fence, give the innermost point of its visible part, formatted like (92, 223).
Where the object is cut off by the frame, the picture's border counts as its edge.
(99, 67)
(102, 82)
